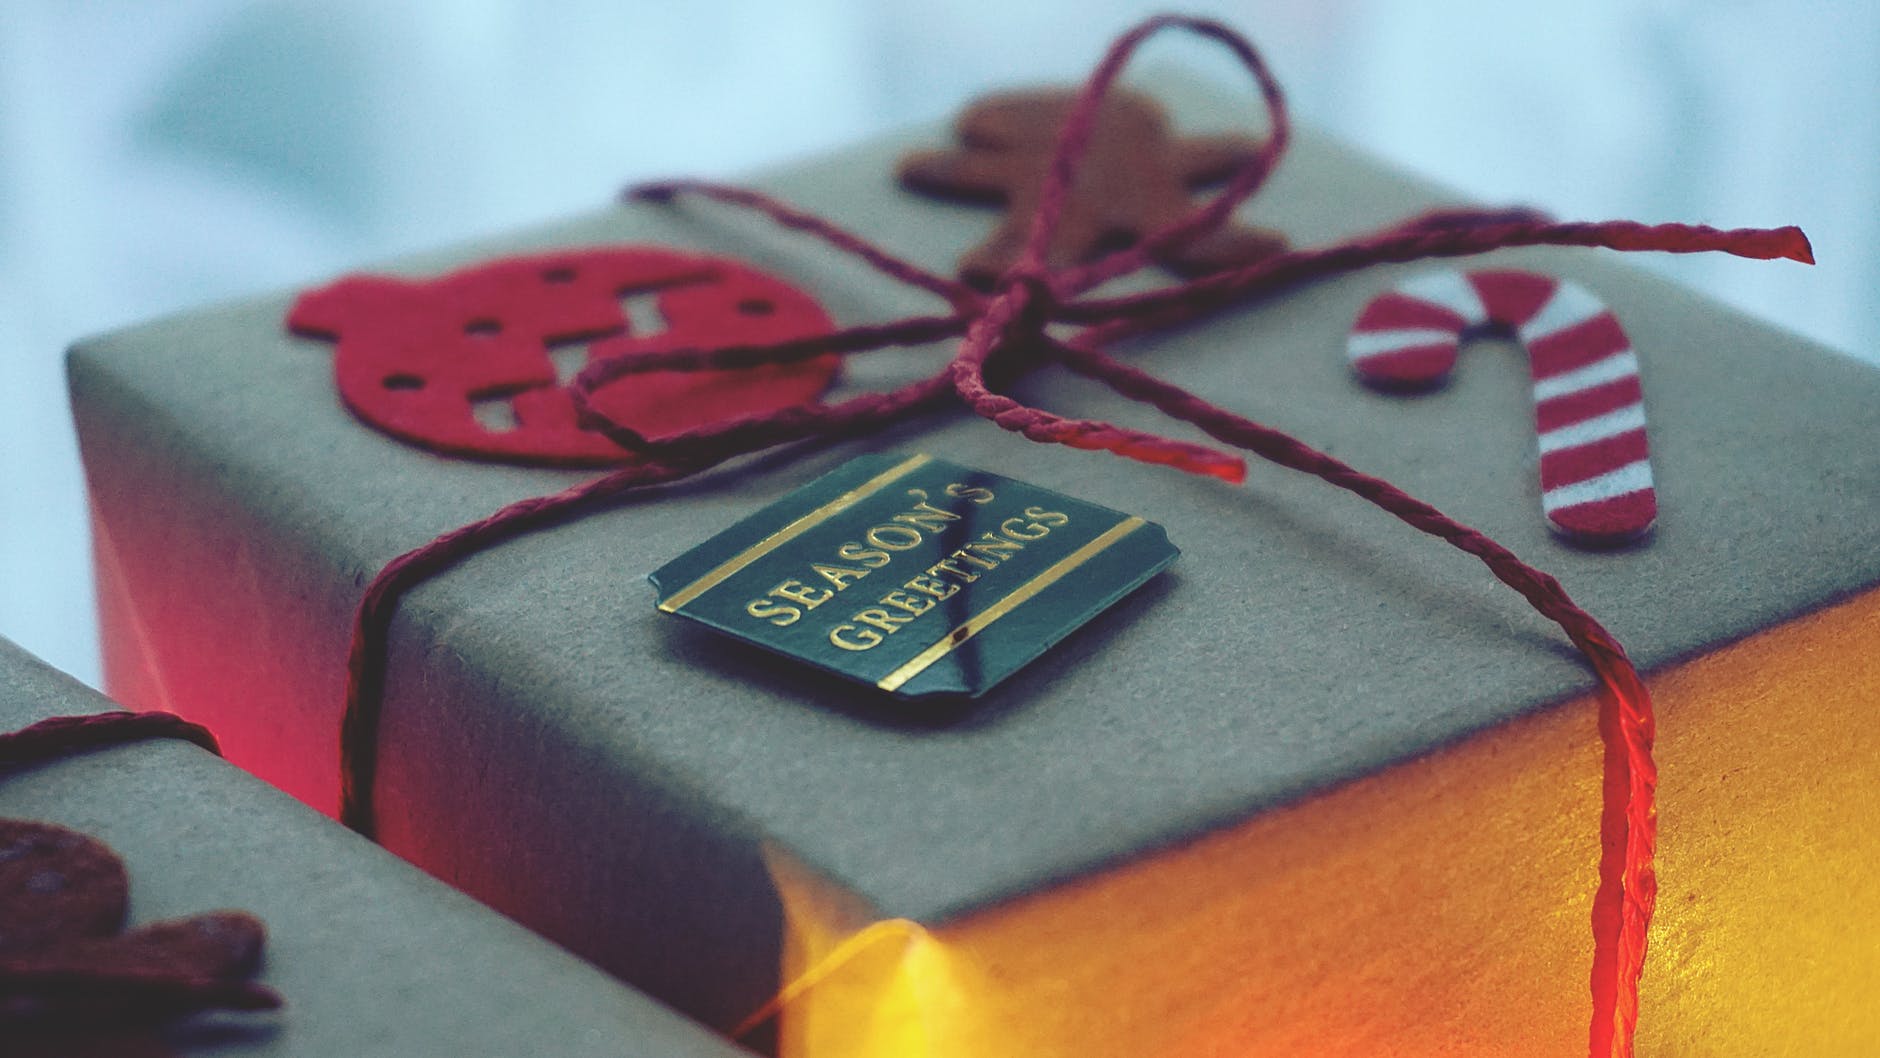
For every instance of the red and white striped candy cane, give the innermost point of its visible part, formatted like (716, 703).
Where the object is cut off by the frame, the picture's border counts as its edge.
(1596, 475)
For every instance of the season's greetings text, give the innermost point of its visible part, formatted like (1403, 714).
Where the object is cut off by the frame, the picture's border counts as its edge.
(877, 548)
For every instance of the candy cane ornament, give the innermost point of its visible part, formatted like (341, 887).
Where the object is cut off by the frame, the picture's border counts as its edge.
(1589, 415)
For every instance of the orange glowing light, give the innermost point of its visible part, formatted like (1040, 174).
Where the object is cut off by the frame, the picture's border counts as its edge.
(1438, 908)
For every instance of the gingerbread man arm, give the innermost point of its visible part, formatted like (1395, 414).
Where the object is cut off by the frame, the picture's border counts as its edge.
(218, 944)
(982, 176)
(1204, 160)
(964, 175)
(1224, 248)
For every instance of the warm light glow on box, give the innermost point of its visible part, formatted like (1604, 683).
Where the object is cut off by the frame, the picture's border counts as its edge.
(1440, 908)
(881, 987)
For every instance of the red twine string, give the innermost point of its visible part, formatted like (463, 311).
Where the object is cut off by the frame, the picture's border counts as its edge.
(1003, 333)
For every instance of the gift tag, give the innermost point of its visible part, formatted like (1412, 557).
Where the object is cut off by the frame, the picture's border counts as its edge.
(916, 575)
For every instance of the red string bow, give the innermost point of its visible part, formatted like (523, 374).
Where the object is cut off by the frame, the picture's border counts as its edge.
(1003, 333)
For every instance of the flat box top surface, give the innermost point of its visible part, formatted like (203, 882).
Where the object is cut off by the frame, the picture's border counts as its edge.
(1304, 639)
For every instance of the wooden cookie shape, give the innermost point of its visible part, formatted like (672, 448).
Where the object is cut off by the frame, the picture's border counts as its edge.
(1589, 412)
(476, 363)
(1136, 177)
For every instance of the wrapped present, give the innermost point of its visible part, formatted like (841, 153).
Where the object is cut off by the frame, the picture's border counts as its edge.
(371, 957)
(1322, 787)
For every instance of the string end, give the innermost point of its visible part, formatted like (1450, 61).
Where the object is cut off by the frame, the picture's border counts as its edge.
(1796, 245)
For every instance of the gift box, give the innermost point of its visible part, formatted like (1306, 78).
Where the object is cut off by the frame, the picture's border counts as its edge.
(369, 955)
(1322, 787)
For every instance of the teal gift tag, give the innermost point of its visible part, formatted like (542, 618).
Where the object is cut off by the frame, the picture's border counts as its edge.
(913, 574)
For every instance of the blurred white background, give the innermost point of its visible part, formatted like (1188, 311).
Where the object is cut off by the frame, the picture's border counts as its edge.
(155, 156)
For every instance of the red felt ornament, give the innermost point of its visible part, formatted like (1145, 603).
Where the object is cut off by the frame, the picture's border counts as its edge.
(1589, 412)
(476, 363)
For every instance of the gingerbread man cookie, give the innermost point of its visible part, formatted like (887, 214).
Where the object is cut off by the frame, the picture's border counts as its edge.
(1137, 176)
(72, 984)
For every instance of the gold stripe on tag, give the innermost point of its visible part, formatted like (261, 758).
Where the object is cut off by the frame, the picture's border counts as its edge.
(978, 622)
(671, 603)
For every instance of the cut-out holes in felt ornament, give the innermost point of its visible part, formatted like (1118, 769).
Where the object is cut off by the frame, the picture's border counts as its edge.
(1595, 465)
(476, 363)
